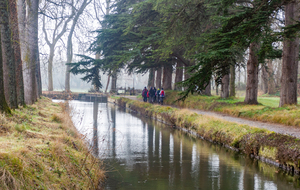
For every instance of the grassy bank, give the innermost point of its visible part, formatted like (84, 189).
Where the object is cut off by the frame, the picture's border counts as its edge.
(41, 149)
(281, 150)
(267, 110)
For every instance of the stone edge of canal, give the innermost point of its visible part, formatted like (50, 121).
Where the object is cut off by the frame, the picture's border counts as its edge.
(280, 150)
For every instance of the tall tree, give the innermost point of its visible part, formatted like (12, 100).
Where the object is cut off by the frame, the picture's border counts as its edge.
(290, 58)
(179, 74)
(252, 75)
(167, 76)
(31, 55)
(151, 77)
(271, 75)
(158, 77)
(70, 44)
(264, 78)
(225, 86)
(232, 80)
(3, 104)
(8, 56)
(60, 28)
(17, 51)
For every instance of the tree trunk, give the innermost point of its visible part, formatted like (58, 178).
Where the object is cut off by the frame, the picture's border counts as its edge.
(151, 78)
(232, 80)
(70, 45)
(225, 87)
(158, 77)
(167, 76)
(114, 82)
(17, 52)
(22, 24)
(31, 57)
(3, 104)
(179, 75)
(264, 77)
(252, 75)
(288, 91)
(8, 56)
(271, 81)
(38, 76)
(207, 90)
(50, 69)
(108, 80)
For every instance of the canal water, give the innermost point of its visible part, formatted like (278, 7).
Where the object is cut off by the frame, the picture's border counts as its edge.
(143, 154)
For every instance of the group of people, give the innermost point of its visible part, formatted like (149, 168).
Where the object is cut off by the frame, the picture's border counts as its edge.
(153, 95)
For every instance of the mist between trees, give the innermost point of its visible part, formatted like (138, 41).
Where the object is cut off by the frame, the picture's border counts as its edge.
(188, 45)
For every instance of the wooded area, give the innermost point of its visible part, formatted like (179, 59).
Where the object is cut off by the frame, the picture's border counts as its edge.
(206, 40)
(200, 42)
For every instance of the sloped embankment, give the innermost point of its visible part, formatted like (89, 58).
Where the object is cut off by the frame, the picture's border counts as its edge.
(277, 149)
(41, 149)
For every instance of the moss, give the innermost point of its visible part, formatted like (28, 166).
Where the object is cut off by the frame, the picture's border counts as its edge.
(268, 152)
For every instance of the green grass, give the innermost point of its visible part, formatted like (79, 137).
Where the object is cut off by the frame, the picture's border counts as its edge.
(267, 109)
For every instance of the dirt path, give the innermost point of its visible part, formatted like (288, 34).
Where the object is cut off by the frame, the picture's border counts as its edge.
(277, 128)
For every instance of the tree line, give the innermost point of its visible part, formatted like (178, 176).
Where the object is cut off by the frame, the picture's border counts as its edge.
(201, 40)
(20, 79)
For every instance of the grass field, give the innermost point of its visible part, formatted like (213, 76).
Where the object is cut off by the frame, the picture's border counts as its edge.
(266, 110)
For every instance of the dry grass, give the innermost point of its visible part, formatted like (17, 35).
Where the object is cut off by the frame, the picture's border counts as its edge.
(41, 149)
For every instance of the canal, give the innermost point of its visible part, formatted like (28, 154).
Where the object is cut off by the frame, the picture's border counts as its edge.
(142, 154)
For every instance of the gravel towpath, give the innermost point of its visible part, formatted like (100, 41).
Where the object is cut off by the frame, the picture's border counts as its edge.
(277, 128)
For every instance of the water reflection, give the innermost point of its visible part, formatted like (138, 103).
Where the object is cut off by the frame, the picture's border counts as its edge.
(141, 154)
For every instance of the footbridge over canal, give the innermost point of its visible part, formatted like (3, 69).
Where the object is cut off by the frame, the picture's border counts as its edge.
(100, 97)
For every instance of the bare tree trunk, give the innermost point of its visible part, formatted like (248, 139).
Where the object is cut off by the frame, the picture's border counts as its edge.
(225, 87)
(17, 52)
(158, 77)
(151, 78)
(288, 91)
(167, 76)
(50, 68)
(108, 80)
(22, 24)
(114, 82)
(207, 90)
(179, 74)
(8, 56)
(252, 75)
(271, 81)
(38, 76)
(70, 44)
(32, 53)
(3, 104)
(232, 80)
(264, 77)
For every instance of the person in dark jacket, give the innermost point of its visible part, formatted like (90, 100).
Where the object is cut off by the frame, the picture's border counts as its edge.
(144, 94)
(151, 94)
(154, 97)
(158, 95)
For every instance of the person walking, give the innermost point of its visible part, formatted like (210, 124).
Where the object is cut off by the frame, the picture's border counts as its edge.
(162, 96)
(154, 96)
(144, 94)
(151, 94)
(158, 95)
